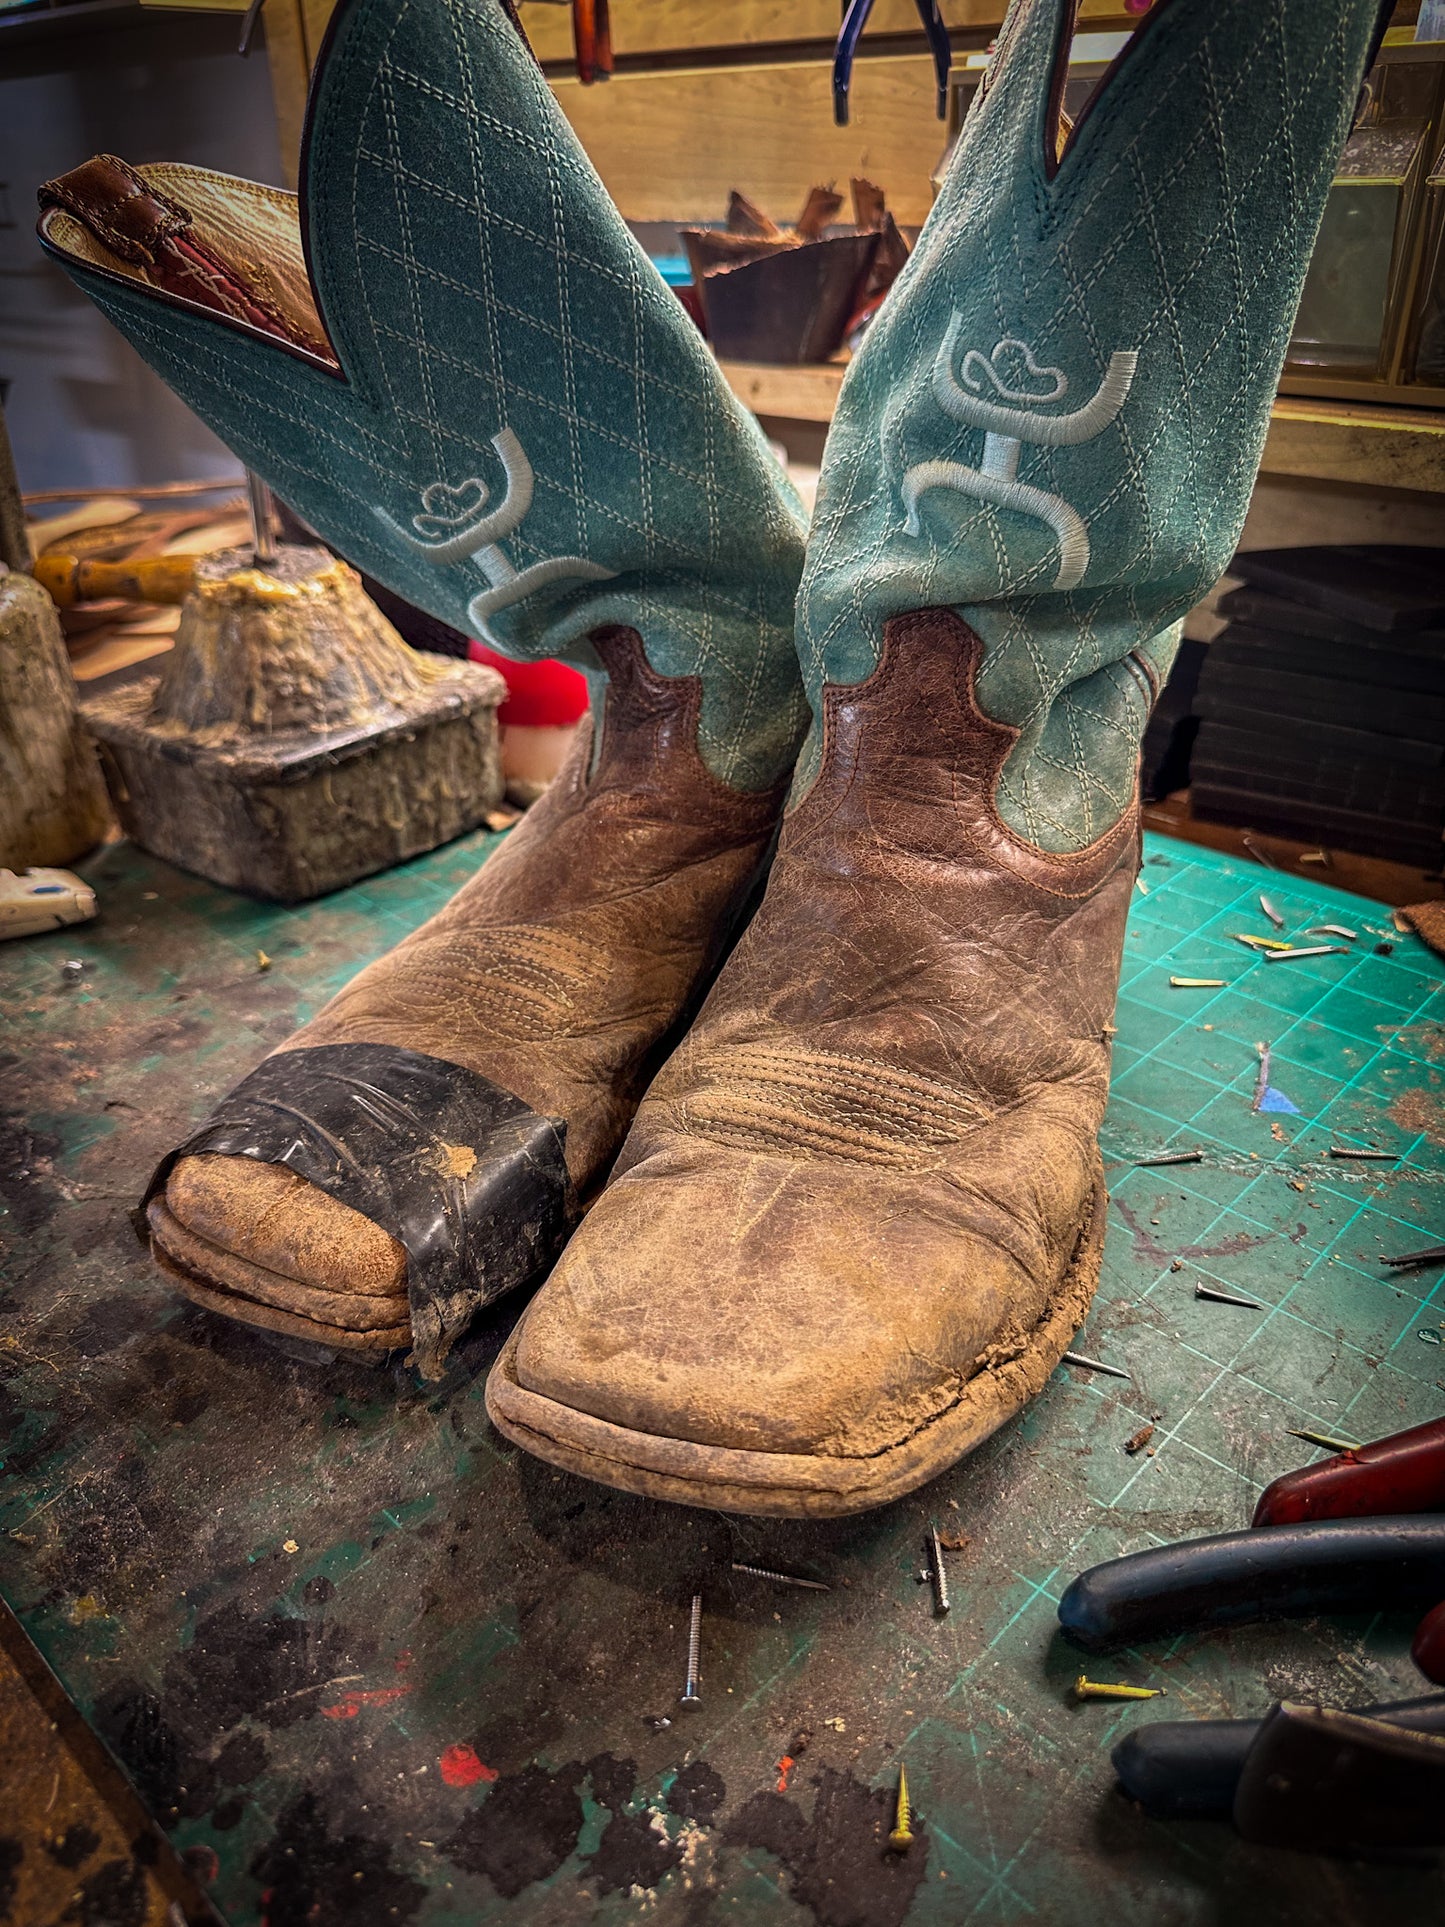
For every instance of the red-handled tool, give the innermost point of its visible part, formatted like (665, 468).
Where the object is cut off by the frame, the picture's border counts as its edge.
(592, 36)
(1402, 1473)
(1427, 1649)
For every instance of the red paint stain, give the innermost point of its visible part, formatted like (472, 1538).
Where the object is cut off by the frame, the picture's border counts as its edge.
(348, 1708)
(1148, 1249)
(785, 1767)
(459, 1766)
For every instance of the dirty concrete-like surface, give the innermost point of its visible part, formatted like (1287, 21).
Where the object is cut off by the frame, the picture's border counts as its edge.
(366, 1663)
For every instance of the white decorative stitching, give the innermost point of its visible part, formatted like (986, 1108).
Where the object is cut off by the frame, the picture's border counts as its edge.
(1050, 431)
(1006, 430)
(481, 540)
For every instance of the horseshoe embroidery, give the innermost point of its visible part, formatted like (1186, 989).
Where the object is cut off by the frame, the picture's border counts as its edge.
(481, 539)
(1006, 430)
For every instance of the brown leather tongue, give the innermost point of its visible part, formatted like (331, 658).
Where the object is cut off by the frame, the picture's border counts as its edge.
(260, 1231)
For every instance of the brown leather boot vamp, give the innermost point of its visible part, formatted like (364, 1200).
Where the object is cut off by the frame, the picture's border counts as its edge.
(859, 1215)
(558, 973)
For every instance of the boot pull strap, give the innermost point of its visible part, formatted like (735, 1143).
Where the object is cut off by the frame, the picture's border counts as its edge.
(119, 207)
(144, 227)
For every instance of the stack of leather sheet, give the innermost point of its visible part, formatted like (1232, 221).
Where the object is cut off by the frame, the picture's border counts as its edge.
(1322, 703)
(1172, 727)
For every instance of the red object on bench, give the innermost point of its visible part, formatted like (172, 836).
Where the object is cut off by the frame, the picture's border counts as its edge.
(540, 695)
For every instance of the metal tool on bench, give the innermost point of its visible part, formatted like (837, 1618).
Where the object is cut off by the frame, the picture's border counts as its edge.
(1308, 1777)
(849, 34)
(1359, 1782)
(1190, 1769)
(1339, 1536)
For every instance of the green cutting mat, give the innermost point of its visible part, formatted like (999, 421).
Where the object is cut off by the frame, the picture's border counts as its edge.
(368, 1664)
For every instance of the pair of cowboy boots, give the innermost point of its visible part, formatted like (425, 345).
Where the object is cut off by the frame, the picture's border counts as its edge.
(843, 1219)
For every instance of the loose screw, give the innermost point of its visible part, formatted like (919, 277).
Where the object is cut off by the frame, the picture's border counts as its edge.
(690, 1694)
(940, 1577)
(780, 1578)
(901, 1838)
(1094, 1689)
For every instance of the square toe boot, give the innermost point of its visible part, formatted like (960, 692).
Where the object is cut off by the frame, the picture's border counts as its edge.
(859, 1215)
(451, 357)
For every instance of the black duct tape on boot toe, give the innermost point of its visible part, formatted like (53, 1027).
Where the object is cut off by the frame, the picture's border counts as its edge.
(469, 1181)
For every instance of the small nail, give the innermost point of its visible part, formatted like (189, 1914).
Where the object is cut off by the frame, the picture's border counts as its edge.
(1093, 1365)
(1326, 1441)
(1290, 954)
(1218, 1297)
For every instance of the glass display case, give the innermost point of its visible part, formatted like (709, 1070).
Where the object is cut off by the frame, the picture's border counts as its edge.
(1359, 261)
(1361, 317)
(1371, 323)
(1426, 360)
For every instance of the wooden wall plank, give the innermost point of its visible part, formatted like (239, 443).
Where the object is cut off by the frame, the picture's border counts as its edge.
(315, 18)
(669, 146)
(289, 60)
(656, 26)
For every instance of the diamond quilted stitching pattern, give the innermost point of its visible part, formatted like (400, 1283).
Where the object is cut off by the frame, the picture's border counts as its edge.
(1179, 226)
(474, 277)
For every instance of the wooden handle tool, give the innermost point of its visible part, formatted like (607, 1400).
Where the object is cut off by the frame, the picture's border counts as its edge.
(152, 578)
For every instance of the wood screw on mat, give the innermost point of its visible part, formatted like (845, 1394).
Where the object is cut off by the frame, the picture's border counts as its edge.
(901, 1838)
(1094, 1689)
(690, 1695)
(780, 1578)
(941, 1600)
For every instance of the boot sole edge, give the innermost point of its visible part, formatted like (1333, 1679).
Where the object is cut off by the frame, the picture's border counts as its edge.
(799, 1485)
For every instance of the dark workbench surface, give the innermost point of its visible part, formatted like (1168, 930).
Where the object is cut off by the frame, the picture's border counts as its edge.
(369, 1664)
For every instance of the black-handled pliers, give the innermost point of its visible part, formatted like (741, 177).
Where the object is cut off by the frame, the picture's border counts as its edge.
(855, 18)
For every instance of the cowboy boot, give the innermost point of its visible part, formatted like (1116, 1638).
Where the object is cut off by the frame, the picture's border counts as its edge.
(454, 361)
(858, 1217)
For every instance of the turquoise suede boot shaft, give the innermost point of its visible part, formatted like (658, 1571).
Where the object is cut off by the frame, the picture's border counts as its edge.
(1055, 423)
(527, 436)
(859, 1216)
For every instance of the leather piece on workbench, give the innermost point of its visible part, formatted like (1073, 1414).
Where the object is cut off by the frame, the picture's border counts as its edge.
(1429, 920)
(75, 1845)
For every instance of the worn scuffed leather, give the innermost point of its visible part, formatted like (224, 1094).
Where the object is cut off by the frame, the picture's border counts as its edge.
(559, 972)
(856, 1220)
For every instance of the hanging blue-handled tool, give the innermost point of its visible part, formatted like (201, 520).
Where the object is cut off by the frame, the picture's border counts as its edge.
(855, 18)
